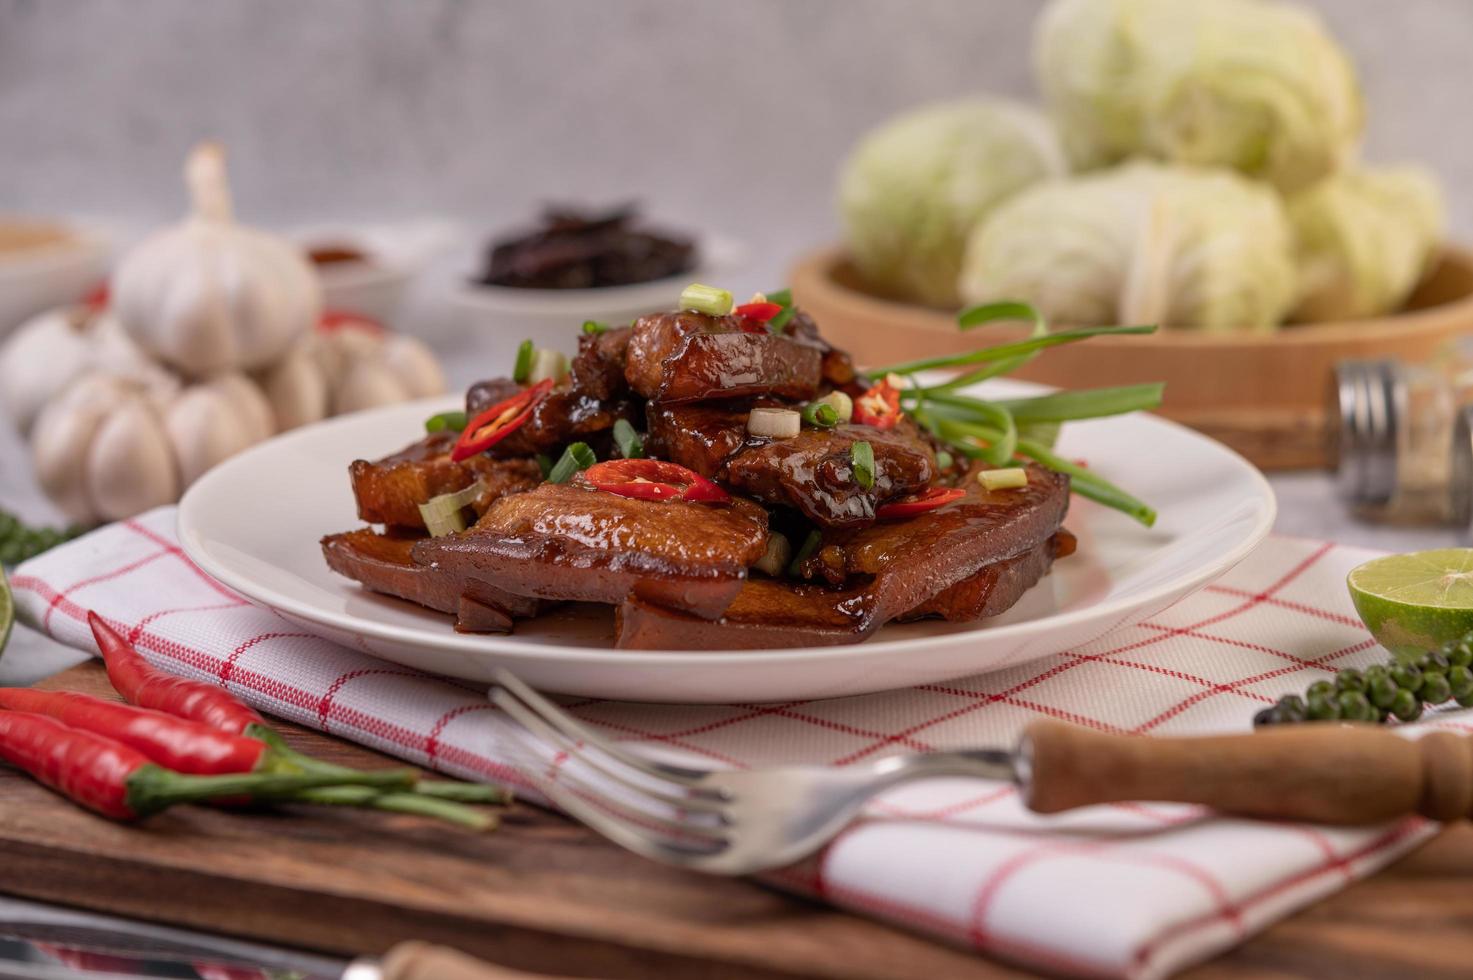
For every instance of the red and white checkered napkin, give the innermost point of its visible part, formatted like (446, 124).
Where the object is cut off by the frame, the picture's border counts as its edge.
(1131, 890)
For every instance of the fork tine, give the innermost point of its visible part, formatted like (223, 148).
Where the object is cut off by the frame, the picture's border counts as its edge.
(530, 719)
(582, 733)
(635, 830)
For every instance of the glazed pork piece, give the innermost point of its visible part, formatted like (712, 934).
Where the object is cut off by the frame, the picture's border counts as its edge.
(384, 563)
(572, 542)
(689, 356)
(390, 490)
(927, 565)
(811, 472)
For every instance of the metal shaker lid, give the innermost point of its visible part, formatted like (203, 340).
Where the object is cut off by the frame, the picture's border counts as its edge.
(1367, 399)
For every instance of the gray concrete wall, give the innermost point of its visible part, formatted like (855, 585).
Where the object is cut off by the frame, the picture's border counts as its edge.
(728, 114)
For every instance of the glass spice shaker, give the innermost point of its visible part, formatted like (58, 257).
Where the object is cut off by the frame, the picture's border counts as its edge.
(1403, 445)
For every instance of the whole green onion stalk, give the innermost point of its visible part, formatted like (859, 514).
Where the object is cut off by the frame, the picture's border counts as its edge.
(997, 432)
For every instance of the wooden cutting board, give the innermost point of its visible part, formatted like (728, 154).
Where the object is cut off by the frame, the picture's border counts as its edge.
(543, 894)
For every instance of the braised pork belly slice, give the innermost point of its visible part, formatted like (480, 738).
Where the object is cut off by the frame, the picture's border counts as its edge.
(389, 491)
(943, 546)
(573, 542)
(384, 563)
(598, 368)
(688, 356)
(811, 472)
(566, 415)
(774, 613)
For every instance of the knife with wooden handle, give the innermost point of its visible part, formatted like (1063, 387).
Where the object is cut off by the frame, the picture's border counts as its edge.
(1319, 772)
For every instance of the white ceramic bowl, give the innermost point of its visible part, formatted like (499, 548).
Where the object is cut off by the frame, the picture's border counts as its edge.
(503, 316)
(376, 288)
(54, 274)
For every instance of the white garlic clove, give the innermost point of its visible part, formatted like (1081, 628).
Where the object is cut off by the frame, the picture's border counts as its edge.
(414, 365)
(64, 430)
(368, 384)
(248, 403)
(39, 360)
(338, 349)
(206, 427)
(296, 389)
(130, 467)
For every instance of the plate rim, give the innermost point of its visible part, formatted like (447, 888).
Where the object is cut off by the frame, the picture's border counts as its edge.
(1169, 591)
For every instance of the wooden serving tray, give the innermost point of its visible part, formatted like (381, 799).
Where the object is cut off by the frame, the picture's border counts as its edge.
(546, 895)
(1265, 395)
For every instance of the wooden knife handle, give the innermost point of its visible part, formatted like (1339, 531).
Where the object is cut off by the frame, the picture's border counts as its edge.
(1322, 772)
(425, 961)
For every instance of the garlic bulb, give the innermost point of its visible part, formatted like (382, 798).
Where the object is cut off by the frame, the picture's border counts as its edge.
(368, 384)
(409, 360)
(296, 388)
(209, 295)
(101, 452)
(50, 351)
(211, 422)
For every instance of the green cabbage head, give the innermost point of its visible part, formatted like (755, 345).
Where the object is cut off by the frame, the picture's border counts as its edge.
(913, 189)
(1252, 85)
(1365, 239)
(1140, 243)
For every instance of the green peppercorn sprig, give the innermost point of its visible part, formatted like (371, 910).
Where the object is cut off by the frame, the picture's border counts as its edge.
(1397, 690)
(19, 542)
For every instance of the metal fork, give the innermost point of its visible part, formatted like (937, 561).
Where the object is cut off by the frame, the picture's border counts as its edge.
(738, 822)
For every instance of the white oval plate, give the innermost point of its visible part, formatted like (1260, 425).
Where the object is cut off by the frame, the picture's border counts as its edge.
(254, 523)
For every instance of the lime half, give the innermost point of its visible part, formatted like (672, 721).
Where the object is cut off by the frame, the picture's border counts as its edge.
(1417, 602)
(7, 611)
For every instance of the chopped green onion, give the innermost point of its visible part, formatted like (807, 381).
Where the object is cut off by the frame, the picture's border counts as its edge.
(820, 415)
(548, 365)
(628, 441)
(523, 369)
(1009, 479)
(706, 299)
(575, 459)
(779, 552)
(594, 326)
(445, 514)
(810, 545)
(862, 454)
(843, 404)
(454, 421)
(944, 460)
(783, 298)
(774, 423)
(544, 463)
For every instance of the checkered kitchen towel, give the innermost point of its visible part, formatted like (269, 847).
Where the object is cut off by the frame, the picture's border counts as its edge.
(1130, 890)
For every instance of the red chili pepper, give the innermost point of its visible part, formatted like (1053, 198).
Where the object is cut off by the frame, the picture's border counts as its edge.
(499, 421)
(758, 313)
(920, 503)
(116, 781)
(139, 683)
(340, 319)
(653, 479)
(174, 743)
(879, 406)
(97, 297)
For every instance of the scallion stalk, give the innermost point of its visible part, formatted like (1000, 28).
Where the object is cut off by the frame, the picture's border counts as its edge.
(810, 545)
(1090, 403)
(445, 514)
(594, 327)
(544, 463)
(547, 365)
(523, 368)
(783, 298)
(843, 404)
(862, 456)
(706, 299)
(452, 421)
(1011, 478)
(1004, 351)
(631, 446)
(575, 459)
(779, 552)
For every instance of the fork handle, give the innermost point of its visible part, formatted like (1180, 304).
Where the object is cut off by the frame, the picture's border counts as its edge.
(1338, 774)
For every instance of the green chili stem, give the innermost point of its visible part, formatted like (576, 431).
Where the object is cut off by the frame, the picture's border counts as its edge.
(152, 788)
(418, 804)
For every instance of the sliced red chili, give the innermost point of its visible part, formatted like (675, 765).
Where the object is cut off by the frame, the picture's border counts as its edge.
(761, 312)
(653, 479)
(499, 421)
(919, 503)
(879, 407)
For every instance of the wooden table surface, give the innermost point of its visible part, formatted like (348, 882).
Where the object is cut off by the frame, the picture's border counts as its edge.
(544, 894)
